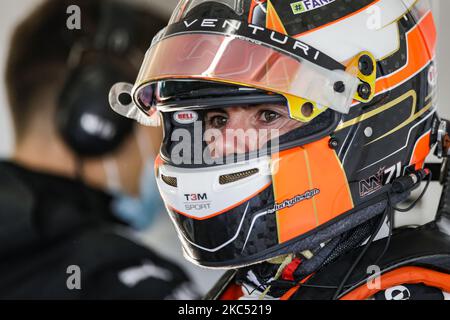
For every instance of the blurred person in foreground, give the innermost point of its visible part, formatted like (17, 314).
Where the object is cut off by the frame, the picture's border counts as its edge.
(72, 187)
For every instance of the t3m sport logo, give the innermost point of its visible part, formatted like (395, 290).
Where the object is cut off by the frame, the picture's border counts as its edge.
(197, 202)
(308, 5)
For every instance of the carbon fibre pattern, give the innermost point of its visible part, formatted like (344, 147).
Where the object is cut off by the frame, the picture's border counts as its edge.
(254, 235)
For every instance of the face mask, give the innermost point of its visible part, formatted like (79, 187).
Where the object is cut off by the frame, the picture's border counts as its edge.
(138, 212)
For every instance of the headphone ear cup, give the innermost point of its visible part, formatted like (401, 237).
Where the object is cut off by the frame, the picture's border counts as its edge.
(84, 119)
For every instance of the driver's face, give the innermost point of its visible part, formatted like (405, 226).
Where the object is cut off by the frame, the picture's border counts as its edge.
(267, 121)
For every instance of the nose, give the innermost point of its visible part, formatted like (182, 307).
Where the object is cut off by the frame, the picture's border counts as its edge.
(228, 145)
(239, 137)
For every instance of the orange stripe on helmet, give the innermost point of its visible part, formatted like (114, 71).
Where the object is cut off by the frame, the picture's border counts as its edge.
(291, 180)
(421, 151)
(422, 36)
(273, 21)
(428, 29)
(314, 166)
(328, 173)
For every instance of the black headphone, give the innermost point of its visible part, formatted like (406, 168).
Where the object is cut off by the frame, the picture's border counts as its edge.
(83, 117)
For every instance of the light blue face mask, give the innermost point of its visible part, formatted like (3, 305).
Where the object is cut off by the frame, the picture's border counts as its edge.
(141, 212)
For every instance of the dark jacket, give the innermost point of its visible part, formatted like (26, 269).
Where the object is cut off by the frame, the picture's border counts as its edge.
(58, 240)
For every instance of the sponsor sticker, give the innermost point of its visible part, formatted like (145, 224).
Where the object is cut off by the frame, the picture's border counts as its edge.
(308, 195)
(377, 181)
(308, 5)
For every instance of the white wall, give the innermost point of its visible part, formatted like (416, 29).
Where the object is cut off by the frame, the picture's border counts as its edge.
(10, 12)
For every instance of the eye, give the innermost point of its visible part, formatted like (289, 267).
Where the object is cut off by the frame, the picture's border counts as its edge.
(218, 121)
(269, 116)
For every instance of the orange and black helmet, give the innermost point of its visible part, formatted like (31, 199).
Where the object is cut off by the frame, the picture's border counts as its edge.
(343, 90)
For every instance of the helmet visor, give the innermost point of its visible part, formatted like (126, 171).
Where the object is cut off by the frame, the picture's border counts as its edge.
(276, 63)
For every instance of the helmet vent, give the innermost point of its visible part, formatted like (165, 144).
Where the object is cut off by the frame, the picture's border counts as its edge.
(230, 178)
(171, 181)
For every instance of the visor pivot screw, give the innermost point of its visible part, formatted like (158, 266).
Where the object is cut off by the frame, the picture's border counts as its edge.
(364, 90)
(334, 144)
(125, 99)
(365, 65)
(339, 87)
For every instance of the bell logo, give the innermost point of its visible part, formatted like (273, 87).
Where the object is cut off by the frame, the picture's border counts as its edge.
(185, 117)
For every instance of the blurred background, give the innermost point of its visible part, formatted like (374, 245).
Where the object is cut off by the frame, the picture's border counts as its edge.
(161, 235)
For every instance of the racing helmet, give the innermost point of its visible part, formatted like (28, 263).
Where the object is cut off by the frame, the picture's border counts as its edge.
(283, 118)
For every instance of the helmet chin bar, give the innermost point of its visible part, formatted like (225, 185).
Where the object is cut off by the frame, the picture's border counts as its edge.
(120, 100)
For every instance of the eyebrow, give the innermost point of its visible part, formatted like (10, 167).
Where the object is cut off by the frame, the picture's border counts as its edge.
(222, 110)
